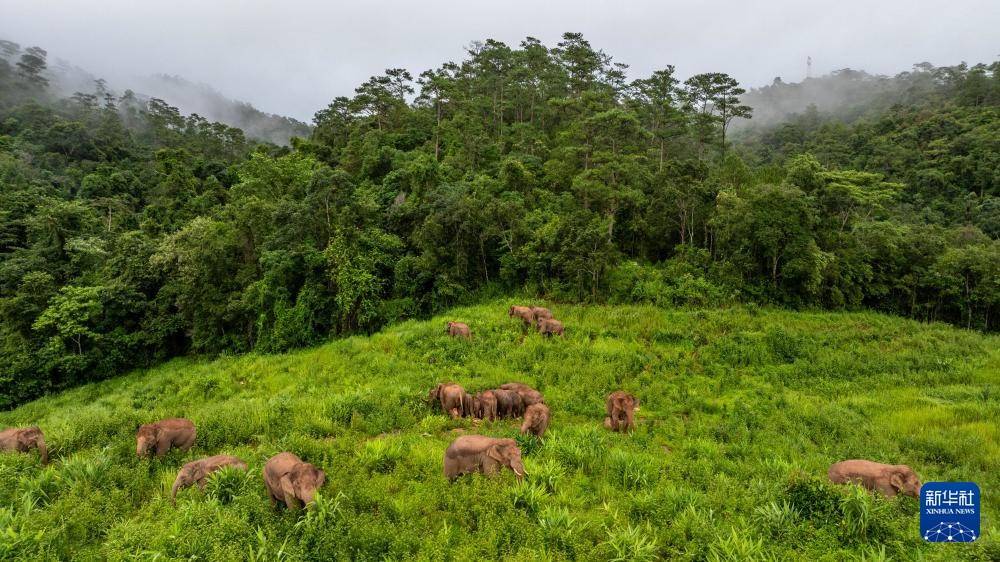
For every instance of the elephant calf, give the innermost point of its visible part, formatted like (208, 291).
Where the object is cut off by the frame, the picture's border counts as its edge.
(23, 440)
(291, 481)
(522, 312)
(195, 472)
(486, 405)
(458, 329)
(452, 398)
(620, 407)
(550, 326)
(160, 436)
(486, 455)
(536, 420)
(890, 479)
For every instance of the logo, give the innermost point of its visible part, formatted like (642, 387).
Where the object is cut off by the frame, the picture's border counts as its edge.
(949, 511)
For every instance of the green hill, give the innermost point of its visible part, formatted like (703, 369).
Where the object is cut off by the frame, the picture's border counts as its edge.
(742, 411)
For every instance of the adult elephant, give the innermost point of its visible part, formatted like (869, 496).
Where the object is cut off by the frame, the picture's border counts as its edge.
(23, 440)
(291, 481)
(541, 313)
(522, 312)
(620, 407)
(889, 479)
(486, 455)
(451, 397)
(196, 472)
(509, 403)
(159, 437)
(528, 395)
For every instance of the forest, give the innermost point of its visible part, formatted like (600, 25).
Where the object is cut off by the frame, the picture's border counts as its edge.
(131, 233)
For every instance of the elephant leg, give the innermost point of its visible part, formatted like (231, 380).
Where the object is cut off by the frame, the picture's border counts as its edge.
(201, 484)
(187, 443)
(162, 447)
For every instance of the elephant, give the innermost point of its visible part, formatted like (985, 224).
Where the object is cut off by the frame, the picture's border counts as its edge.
(23, 440)
(524, 313)
(541, 313)
(536, 420)
(451, 397)
(195, 472)
(468, 405)
(528, 395)
(890, 479)
(486, 405)
(291, 481)
(478, 453)
(162, 435)
(550, 326)
(620, 407)
(456, 329)
(509, 403)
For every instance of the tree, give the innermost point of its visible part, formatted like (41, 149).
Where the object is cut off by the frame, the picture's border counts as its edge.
(716, 96)
(32, 65)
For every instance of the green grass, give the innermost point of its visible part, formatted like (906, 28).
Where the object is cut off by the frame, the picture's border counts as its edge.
(742, 411)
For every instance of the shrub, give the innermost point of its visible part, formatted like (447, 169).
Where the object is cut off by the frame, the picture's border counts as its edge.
(630, 544)
(380, 455)
(813, 498)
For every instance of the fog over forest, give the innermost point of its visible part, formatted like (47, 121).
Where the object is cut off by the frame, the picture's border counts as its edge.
(292, 58)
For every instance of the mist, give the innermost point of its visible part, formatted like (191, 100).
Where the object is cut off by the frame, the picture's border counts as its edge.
(292, 58)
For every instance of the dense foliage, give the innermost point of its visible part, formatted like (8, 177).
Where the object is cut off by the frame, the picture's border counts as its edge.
(130, 233)
(742, 411)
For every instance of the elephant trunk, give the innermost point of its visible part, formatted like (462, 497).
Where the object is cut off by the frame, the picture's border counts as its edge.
(43, 450)
(177, 486)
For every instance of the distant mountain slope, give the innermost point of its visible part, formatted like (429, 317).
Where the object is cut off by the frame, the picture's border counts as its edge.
(189, 97)
(848, 94)
(202, 99)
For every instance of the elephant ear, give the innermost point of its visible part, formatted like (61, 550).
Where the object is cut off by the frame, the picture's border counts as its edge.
(495, 453)
(198, 472)
(897, 480)
(287, 485)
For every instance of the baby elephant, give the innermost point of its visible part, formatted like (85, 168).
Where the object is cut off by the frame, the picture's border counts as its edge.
(536, 420)
(162, 435)
(486, 405)
(620, 407)
(291, 481)
(195, 472)
(458, 329)
(23, 440)
(890, 479)
(550, 326)
(478, 453)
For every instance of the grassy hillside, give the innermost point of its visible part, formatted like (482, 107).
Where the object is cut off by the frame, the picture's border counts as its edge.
(742, 412)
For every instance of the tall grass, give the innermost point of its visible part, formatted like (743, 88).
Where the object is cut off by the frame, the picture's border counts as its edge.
(742, 412)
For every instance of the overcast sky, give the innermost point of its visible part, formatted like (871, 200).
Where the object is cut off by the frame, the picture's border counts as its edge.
(294, 56)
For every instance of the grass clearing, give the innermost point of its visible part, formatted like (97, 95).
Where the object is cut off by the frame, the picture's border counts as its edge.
(742, 411)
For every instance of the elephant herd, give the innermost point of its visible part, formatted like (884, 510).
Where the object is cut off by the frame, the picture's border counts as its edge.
(293, 482)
